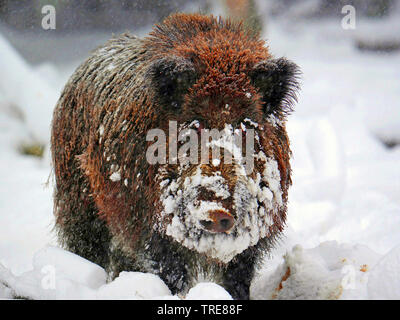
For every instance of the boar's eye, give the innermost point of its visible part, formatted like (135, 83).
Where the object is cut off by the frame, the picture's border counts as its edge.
(277, 82)
(172, 77)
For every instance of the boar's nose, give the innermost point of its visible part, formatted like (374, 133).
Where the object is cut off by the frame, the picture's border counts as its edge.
(220, 221)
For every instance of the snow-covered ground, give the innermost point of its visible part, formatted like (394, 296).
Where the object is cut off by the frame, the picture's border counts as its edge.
(342, 239)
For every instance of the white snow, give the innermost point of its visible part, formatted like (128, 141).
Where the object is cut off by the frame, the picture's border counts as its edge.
(329, 271)
(251, 122)
(208, 291)
(101, 130)
(26, 89)
(384, 279)
(216, 162)
(134, 285)
(115, 176)
(342, 237)
(59, 274)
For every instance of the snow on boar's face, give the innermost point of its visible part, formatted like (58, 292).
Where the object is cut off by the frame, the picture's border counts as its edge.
(219, 91)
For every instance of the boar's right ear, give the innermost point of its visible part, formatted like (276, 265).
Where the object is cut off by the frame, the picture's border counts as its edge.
(171, 78)
(277, 82)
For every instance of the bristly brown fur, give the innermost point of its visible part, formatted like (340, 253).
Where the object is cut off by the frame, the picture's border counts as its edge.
(99, 128)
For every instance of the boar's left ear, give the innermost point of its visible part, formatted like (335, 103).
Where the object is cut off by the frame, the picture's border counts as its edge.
(172, 77)
(277, 82)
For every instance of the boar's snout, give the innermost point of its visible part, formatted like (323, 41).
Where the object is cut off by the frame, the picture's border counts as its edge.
(219, 221)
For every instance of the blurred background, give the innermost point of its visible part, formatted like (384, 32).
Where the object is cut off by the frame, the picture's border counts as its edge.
(345, 130)
(82, 25)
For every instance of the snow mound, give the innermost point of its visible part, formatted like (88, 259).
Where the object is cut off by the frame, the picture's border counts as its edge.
(208, 291)
(384, 280)
(134, 285)
(329, 271)
(26, 89)
(5, 292)
(56, 274)
(79, 269)
(60, 274)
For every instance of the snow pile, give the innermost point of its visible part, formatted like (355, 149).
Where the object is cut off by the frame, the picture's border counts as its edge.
(59, 274)
(332, 271)
(384, 280)
(208, 291)
(134, 285)
(329, 271)
(30, 93)
(56, 274)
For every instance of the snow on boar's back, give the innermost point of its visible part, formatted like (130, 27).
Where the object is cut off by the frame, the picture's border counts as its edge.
(137, 189)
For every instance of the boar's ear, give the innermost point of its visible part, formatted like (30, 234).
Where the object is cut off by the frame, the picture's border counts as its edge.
(277, 82)
(171, 78)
